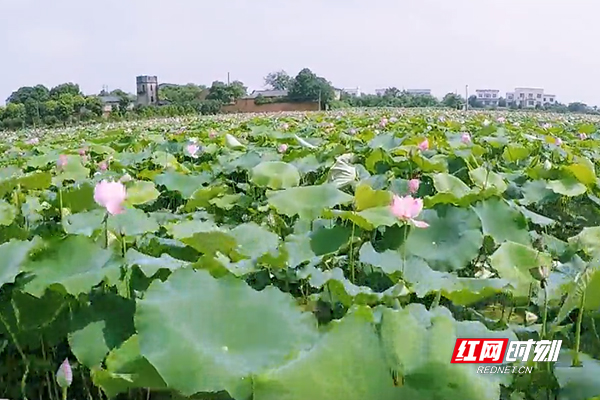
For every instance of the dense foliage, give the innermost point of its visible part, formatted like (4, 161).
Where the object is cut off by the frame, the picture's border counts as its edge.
(259, 258)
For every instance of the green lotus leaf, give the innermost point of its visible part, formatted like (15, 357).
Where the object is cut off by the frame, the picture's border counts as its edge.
(184, 184)
(418, 344)
(307, 201)
(451, 241)
(76, 264)
(8, 212)
(275, 175)
(347, 363)
(195, 342)
(141, 192)
(513, 261)
(501, 222)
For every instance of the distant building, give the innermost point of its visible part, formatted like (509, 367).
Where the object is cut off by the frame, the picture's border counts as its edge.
(337, 93)
(112, 103)
(352, 91)
(419, 92)
(147, 90)
(549, 99)
(529, 98)
(268, 94)
(109, 104)
(488, 97)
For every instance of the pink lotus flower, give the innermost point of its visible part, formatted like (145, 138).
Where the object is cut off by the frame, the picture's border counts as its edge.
(383, 122)
(62, 161)
(282, 148)
(424, 145)
(212, 134)
(64, 375)
(501, 120)
(582, 136)
(192, 149)
(352, 131)
(407, 209)
(285, 127)
(465, 138)
(547, 126)
(111, 196)
(103, 166)
(82, 152)
(557, 141)
(393, 119)
(33, 141)
(413, 186)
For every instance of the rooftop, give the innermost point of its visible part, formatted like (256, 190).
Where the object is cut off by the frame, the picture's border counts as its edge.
(268, 93)
(109, 99)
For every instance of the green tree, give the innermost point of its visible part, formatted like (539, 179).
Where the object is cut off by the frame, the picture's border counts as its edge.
(307, 86)
(65, 107)
(218, 91)
(392, 92)
(577, 107)
(473, 102)
(224, 93)
(32, 112)
(94, 105)
(237, 89)
(278, 80)
(65, 88)
(182, 94)
(452, 100)
(14, 116)
(38, 93)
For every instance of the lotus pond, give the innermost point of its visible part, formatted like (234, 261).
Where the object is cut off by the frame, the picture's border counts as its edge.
(299, 256)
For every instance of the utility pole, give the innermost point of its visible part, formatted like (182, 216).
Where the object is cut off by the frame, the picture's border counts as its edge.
(466, 97)
(228, 78)
(319, 99)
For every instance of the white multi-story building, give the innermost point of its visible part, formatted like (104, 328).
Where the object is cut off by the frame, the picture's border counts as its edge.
(414, 92)
(488, 97)
(419, 92)
(529, 98)
(549, 99)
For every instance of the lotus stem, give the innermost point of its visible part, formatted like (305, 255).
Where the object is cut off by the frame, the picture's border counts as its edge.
(576, 362)
(351, 255)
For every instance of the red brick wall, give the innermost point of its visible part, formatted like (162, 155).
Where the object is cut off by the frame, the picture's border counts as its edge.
(248, 106)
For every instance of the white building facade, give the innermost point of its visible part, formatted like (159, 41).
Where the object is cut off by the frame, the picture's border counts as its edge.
(352, 91)
(529, 98)
(488, 97)
(414, 92)
(419, 92)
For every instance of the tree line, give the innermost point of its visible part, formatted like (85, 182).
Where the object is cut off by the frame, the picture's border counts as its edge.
(65, 104)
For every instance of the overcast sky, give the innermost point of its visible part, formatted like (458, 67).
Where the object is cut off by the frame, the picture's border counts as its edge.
(437, 44)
